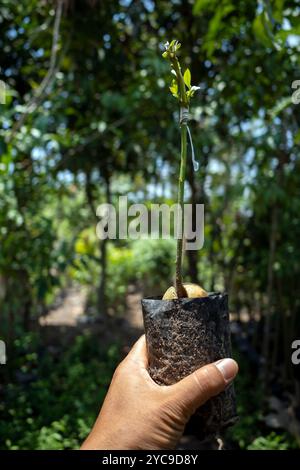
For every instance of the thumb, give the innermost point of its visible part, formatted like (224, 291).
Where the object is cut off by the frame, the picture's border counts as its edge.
(195, 389)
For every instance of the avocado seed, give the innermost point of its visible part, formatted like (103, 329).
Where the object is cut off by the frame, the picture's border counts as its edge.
(192, 290)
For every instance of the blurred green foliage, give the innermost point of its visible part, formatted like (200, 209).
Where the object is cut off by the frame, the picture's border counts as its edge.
(54, 399)
(105, 125)
(271, 442)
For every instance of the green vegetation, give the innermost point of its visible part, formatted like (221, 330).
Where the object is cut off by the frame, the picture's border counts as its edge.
(55, 399)
(87, 119)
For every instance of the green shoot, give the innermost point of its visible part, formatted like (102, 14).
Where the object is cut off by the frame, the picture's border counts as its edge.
(182, 90)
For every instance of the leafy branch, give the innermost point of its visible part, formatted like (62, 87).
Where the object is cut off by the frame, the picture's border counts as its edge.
(40, 93)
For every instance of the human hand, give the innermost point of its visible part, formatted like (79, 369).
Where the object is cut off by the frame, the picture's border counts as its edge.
(137, 413)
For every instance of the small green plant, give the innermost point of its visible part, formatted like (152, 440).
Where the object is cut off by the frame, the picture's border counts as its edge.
(271, 442)
(183, 91)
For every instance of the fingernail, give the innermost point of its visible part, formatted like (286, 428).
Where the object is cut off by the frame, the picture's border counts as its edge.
(228, 368)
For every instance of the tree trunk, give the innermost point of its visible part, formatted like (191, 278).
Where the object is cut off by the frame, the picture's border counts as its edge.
(101, 291)
(102, 300)
(268, 313)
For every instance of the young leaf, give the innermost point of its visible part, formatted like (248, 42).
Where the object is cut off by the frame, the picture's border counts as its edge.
(174, 88)
(187, 78)
(190, 93)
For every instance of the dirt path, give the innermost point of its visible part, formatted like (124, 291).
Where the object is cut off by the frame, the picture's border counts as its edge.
(70, 309)
(71, 306)
(134, 311)
(69, 317)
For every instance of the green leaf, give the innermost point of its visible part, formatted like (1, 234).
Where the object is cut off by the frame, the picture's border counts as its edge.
(174, 88)
(187, 78)
(297, 138)
(216, 27)
(278, 10)
(260, 25)
(201, 5)
(192, 91)
(217, 22)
